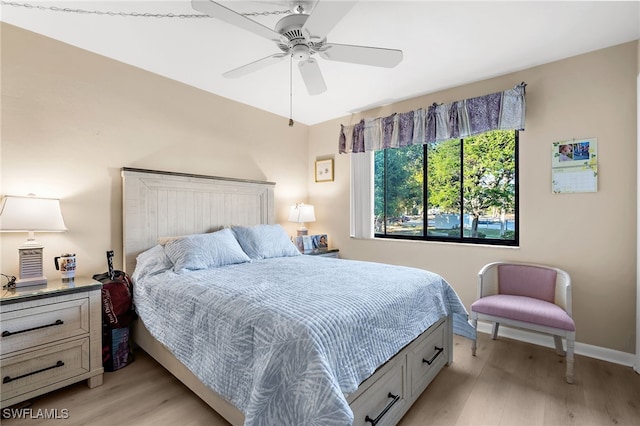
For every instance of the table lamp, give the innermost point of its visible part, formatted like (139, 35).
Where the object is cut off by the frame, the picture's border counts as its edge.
(302, 213)
(31, 214)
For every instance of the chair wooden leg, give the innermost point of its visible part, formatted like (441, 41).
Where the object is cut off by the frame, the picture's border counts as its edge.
(570, 347)
(474, 342)
(558, 341)
(494, 335)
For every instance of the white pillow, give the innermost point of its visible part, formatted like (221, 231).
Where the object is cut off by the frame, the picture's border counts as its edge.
(265, 241)
(204, 251)
(151, 262)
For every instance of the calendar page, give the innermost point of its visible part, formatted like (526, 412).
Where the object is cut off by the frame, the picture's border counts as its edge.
(574, 166)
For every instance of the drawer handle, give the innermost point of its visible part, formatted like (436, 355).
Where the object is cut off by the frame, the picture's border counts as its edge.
(375, 421)
(8, 379)
(11, 333)
(433, 358)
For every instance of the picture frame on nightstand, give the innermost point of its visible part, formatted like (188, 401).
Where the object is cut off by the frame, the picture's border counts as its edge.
(315, 245)
(306, 243)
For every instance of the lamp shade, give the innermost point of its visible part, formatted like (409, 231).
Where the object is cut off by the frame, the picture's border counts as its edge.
(20, 214)
(301, 213)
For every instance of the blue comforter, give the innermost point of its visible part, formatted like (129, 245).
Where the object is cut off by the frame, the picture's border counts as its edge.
(284, 339)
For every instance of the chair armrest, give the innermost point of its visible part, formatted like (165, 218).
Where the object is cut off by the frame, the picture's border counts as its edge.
(563, 290)
(488, 280)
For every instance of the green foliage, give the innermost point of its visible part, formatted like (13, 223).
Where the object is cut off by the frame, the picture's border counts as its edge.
(488, 170)
(453, 232)
(484, 184)
(443, 175)
(509, 235)
(403, 181)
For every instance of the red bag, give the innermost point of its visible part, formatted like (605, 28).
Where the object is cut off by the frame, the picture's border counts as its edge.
(117, 299)
(117, 314)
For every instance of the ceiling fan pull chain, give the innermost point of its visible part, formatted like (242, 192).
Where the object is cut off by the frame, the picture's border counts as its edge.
(275, 12)
(290, 90)
(132, 14)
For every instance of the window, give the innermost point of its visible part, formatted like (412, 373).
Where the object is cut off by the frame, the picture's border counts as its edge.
(464, 190)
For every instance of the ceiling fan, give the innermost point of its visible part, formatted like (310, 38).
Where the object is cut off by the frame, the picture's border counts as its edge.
(301, 36)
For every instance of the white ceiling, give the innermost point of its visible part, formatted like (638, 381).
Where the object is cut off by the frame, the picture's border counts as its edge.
(445, 44)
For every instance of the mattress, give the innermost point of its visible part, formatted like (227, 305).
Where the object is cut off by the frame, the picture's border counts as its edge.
(286, 339)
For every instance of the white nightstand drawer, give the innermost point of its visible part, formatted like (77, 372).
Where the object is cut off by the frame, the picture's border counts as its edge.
(50, 337)
(425, 360)
(33, 370)
(30, 327)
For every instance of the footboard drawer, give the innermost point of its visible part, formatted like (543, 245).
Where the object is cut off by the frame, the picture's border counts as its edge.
(384, 401)
(427, 358)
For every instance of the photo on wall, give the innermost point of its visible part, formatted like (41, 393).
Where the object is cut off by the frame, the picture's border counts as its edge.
(324, 170)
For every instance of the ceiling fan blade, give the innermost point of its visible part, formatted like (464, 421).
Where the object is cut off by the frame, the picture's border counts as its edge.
(324, 17)
(216, 10)
(254, 66)
(312, 76)
(376, 56)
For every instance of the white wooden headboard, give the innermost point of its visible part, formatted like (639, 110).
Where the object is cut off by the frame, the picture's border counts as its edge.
(165, 204)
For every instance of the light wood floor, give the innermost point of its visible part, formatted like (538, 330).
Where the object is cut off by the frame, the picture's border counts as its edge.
(508, 383)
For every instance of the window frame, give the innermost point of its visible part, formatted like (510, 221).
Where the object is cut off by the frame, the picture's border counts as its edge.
(457, 240)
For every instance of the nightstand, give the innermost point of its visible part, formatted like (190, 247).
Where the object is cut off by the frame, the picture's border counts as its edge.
(323, 253)
(51, 338)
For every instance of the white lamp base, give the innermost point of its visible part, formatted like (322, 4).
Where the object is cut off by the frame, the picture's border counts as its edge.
(31, 271)
(27, 282)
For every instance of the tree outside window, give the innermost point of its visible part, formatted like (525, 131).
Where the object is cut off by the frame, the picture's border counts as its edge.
(470, 188)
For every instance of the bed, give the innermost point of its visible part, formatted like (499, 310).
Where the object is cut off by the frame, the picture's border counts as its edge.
(263, 334)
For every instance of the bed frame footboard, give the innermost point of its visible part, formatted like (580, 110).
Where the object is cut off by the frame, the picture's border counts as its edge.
(383, 398)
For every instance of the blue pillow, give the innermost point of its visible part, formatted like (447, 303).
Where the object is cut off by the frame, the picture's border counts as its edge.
(204, 251)
(265, 241)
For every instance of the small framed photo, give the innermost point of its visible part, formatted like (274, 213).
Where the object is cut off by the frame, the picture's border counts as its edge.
(304, 243)
(319, 242)
(324, 170)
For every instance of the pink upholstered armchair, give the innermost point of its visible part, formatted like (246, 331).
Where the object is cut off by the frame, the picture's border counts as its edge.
(524, 295)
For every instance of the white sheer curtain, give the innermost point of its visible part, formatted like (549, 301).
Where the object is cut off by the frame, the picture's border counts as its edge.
(362, 195)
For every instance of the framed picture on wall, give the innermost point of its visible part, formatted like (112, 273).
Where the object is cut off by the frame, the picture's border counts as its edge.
(324, 170)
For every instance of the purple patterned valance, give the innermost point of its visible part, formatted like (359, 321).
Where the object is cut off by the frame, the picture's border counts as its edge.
(459, 119)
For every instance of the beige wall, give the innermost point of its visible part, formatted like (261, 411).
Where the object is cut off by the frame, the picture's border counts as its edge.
(592, 236)
(637, 362)
(72, 119)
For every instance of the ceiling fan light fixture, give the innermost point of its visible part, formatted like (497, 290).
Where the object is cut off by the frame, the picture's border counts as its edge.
(300, 6)
(300, 52)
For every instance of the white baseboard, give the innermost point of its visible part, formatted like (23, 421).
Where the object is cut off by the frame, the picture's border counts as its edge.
(597, 352)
